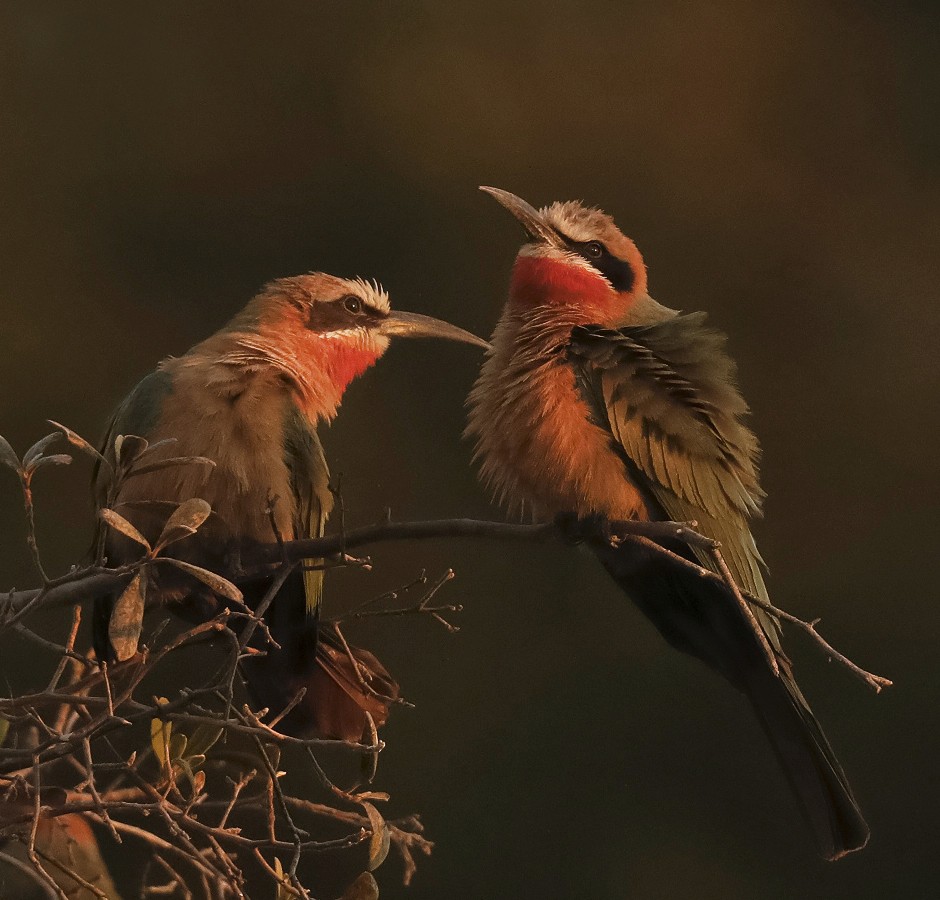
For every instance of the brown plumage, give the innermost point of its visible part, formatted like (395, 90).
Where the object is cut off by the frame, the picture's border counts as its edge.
(597, 401)
(249, 398)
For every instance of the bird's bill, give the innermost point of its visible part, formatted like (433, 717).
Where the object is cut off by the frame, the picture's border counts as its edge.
(414, 325)
(527, 214)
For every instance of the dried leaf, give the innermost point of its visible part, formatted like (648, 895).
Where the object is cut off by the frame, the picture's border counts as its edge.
(199, 782)
(4, 728)
(56, 459)
(381, 837)
(127, 618)
(76, 440)
(283, 893)
(37, 449)
(184, 521)
(7, 456)
(119, 523)
(147, 468)
(127, 447)
(162, 443)
(160, 734)
(221, 586)
(364, 887)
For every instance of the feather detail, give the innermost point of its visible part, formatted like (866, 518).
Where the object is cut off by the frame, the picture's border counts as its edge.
(536, 440)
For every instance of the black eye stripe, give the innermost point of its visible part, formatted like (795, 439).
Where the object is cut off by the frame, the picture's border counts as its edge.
(334, 315)
(617, 271)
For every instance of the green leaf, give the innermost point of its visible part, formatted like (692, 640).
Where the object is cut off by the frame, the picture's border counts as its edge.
(4, 728)
(193, 761)
(177, 747)
(222, 586)
(7, 456)
(381, 837)
(119, 523)
(203, 739)
(364, 887)
(184, 521)
(127, 618)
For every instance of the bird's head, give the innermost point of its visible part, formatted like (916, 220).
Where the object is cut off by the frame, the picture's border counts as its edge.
(576, 260)
(321, 331)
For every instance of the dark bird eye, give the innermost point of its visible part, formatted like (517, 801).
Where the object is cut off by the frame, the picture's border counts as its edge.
(594, 249)
(353, 305)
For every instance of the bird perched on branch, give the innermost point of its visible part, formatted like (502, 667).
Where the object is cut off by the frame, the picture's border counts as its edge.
(597, 402)
(249, 400)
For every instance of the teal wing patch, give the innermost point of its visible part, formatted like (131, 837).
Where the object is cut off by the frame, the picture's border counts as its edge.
(137, 414)
(310, 478)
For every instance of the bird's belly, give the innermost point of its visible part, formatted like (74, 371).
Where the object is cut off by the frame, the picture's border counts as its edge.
(541, 448)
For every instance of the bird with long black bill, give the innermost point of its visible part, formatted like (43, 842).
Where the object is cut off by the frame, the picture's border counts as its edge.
(250, 399)
(595, 401)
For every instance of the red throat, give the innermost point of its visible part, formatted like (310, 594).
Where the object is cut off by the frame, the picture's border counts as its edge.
(541, 280)
(322, 366)
(343, 362)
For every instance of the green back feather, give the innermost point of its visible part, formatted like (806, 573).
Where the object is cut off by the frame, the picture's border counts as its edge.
(667, 394)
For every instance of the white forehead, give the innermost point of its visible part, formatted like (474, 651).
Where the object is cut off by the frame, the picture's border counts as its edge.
(570, 219)
(580, 222)
(371, 292)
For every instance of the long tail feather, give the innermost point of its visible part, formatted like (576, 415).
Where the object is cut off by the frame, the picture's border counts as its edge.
(809, 763)
(702, 619)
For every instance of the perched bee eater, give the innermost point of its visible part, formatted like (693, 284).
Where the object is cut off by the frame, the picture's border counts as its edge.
(597, 402)
(250, 399)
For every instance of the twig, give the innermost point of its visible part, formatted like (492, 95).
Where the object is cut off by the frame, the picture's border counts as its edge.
(745, 607)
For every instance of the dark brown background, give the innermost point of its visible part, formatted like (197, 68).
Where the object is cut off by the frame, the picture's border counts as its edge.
(777, 163)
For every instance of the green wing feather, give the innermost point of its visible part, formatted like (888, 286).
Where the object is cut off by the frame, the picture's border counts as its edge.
(310, 479)
(667, 394)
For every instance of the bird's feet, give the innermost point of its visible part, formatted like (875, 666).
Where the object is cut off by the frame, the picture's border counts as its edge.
(589, 529)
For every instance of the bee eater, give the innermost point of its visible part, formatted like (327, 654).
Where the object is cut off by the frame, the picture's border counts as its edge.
(250, 398)
(596, 402)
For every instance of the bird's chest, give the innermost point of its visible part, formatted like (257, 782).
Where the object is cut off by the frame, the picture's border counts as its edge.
(250, 480)
(538, 445)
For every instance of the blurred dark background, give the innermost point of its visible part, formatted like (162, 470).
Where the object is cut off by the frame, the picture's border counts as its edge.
(777, 164)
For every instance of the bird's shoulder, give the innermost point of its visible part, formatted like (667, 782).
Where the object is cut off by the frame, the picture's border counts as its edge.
(139, 412)
(309, 471)
(668, 393)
